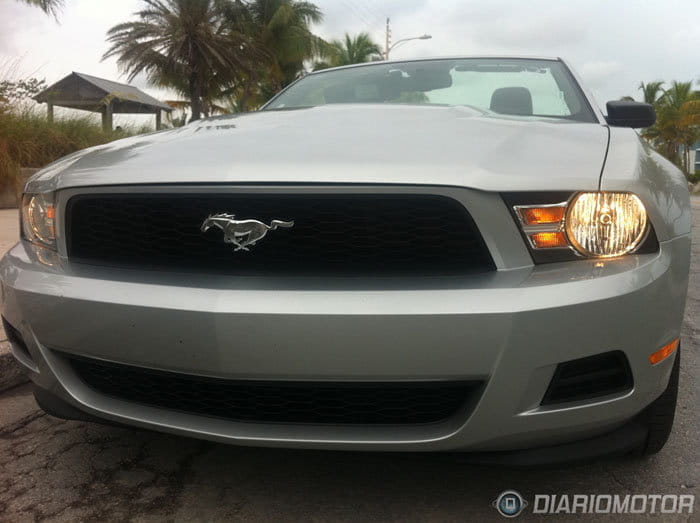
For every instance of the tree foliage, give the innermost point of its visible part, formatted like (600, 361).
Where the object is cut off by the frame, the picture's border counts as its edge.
(283, 28)
(351, 50)
(14, 91)
(677, 126)
(50, 7)
(188, 45)
(242, 52)
(651, 92)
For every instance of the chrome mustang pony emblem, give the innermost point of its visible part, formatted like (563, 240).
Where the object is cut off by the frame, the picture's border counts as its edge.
(242, 233)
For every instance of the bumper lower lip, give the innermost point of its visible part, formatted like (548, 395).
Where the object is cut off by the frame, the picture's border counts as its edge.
(509, 329)
(618, 442)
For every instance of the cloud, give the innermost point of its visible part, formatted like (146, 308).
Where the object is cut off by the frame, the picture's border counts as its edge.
(14, 16)
(686, 40)
(370, 16)
(509, 25)
(598, 74)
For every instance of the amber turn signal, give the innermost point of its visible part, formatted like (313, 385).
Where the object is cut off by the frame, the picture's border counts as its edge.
(548, 240)
(664, 352)
(542, 215)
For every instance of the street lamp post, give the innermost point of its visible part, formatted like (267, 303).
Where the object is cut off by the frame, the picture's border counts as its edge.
(388, 47)
(403, 40)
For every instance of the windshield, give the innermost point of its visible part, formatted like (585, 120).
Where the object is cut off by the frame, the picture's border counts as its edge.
(521, 87)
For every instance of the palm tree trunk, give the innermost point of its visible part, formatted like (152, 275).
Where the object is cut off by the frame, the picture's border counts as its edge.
(243, 102)
(195, 97)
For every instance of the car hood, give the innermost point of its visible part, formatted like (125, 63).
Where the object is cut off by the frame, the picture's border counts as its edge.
(365, 144)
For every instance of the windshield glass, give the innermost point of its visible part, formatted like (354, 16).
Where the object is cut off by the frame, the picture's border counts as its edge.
(521, 87)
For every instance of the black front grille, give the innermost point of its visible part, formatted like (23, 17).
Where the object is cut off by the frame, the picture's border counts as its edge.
(279, 402)
(332, 234)
(591, 377)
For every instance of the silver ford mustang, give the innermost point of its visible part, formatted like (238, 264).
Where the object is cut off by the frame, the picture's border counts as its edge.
(456, 254)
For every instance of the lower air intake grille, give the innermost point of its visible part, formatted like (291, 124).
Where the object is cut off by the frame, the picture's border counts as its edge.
(591, 377)
(335, 235)
(279, 402)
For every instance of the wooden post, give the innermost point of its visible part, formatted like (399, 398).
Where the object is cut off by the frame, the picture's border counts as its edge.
(107, 117)
(49, 112)
(158, 119)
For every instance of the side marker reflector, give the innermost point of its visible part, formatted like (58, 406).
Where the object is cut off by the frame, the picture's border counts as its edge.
(553, 214)
(548, 240)
(664, 352)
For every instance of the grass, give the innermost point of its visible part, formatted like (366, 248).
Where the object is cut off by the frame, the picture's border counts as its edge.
(27, 139)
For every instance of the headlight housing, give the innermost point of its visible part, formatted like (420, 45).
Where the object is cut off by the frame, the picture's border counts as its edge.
(606, 224)
(595, 224)
(38, 219)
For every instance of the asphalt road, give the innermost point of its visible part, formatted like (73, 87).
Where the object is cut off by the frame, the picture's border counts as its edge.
(69, 471)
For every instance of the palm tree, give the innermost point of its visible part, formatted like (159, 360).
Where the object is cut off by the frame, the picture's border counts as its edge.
(50, 7)
(651, 92)
(678, 94)
(677, 125)
(186, 44)
(681, 104)
(283, 28)
(351, 50)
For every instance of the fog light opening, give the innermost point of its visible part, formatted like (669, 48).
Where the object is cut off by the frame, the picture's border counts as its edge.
(19, 346)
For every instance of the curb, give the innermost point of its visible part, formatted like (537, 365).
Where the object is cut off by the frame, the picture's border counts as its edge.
(11, 374)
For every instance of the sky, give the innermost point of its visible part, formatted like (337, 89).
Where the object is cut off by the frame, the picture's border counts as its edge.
(613, 44)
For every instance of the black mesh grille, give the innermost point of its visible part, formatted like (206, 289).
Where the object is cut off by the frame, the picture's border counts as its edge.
(279, 402)
(590, 377)
(333, 234)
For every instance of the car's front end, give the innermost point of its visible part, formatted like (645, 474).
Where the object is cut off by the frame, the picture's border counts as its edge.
(408, 304)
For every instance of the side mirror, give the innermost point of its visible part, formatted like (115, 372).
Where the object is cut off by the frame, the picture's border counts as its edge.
(622, 113)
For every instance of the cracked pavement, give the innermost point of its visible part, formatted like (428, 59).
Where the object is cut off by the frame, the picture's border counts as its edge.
(69, 471)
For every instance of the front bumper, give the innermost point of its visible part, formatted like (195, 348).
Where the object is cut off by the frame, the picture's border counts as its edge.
(509, 328)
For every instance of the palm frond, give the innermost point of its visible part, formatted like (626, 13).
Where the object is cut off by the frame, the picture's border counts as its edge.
(651, 91)
(50, 7)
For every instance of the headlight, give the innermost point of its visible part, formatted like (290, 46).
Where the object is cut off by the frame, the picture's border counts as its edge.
(588, 224)
(38, 219)
(606, 224)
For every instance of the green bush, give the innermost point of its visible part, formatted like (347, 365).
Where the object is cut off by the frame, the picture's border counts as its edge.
(27, 139)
